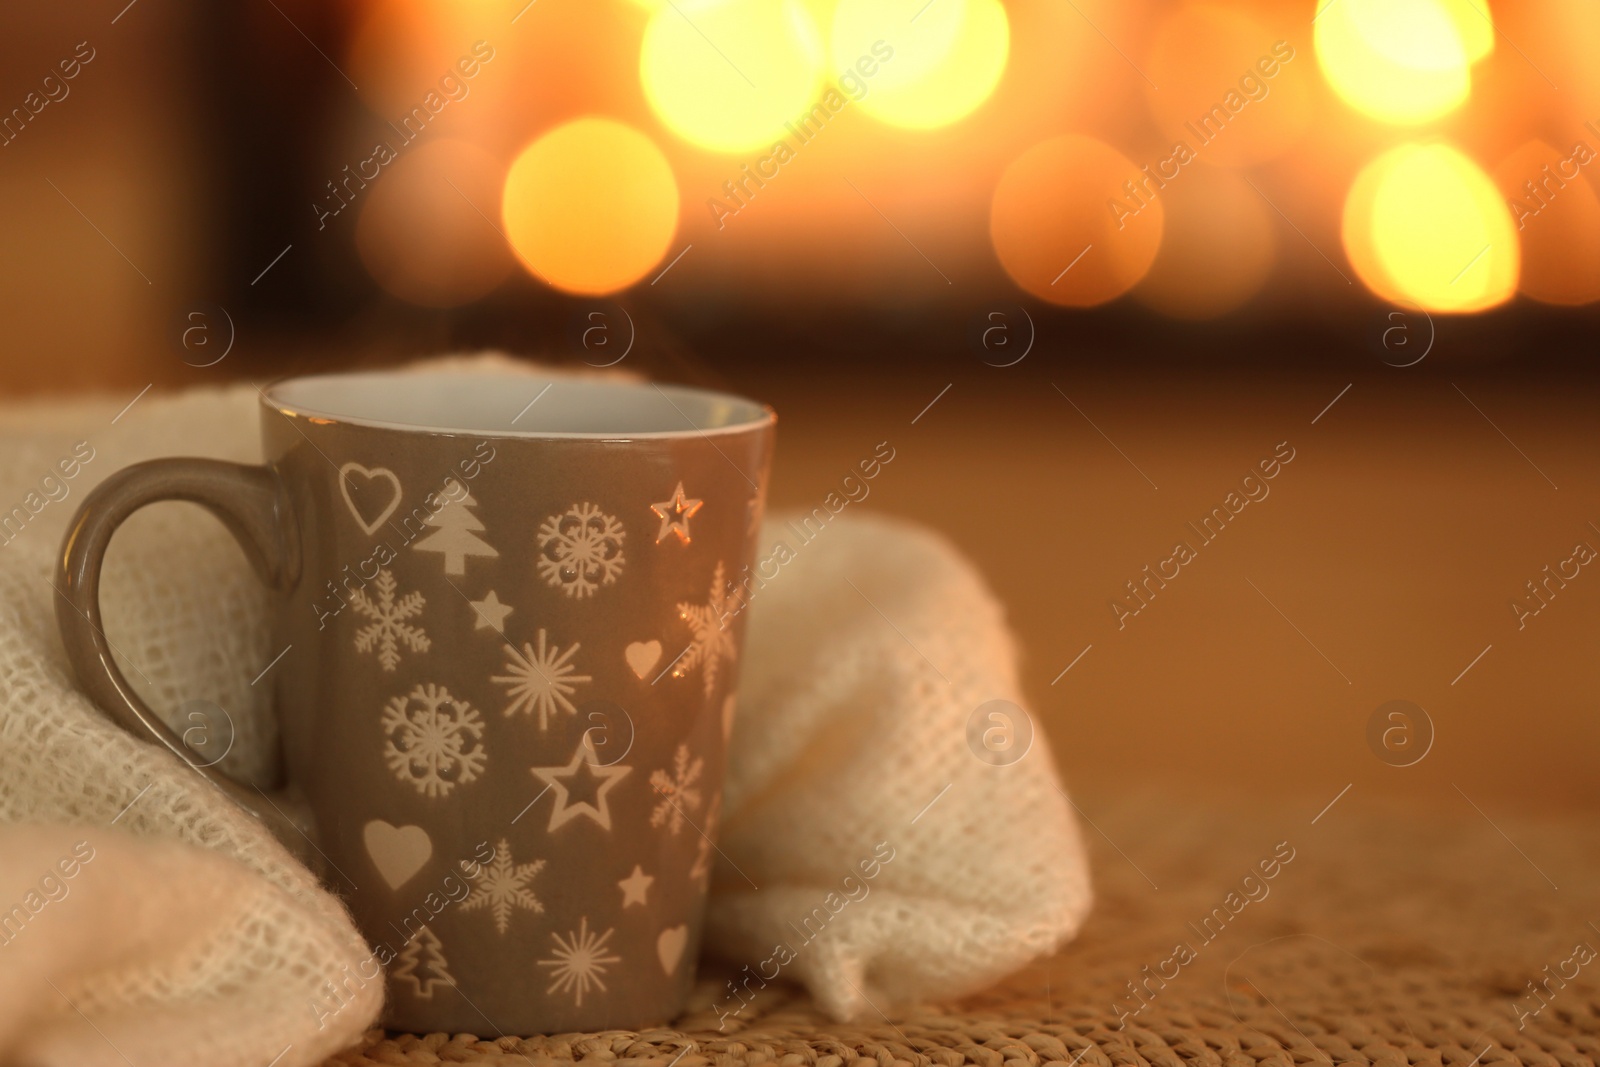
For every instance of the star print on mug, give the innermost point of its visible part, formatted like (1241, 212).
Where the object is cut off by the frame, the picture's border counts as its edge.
(675, 512)
(587, 779)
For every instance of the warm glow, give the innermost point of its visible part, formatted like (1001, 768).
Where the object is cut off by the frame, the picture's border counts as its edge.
(400, 53)
(947, 56)
(1565, 31)
(921, 42)
(821, 10)
(1217, 248)
(729, 74)
(1055, 222)
(1424, 224)
(1475, 25)
(1400, 61)
(1231, 89)
(591, 206)
(1554, 204)
(426, 232)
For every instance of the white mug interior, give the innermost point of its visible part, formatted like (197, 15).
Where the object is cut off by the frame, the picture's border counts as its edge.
(515, 405)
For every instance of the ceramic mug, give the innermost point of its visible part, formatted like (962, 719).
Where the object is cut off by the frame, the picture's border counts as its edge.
(509, 637)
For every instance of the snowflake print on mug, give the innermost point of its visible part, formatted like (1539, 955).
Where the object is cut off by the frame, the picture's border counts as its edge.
(579, 961)
(712, 641)
(542, 679)
(580, 550)
(389, 628)
(428, 737)
(678, 791)
(503, 885)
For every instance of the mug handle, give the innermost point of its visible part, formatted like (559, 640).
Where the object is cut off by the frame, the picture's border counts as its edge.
(251, 503)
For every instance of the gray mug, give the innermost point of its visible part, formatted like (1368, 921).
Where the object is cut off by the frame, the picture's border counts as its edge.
(508, 615)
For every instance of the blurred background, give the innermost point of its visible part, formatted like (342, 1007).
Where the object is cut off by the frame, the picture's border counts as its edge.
(1085, 264)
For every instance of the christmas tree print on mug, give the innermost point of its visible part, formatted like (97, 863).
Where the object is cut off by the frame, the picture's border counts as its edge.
(422, 964)
(502, 708)
(456, 535)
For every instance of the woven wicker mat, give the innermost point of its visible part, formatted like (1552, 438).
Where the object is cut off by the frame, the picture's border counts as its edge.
(1389, 939)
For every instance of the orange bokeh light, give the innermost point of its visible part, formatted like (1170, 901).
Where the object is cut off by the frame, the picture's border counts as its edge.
(1424, 224)
(1401, 61)
(1056, 228)
(728, 75)
(1558, 217)
(591, 206)
(425, 233)
(1231, 88)
(947, 59)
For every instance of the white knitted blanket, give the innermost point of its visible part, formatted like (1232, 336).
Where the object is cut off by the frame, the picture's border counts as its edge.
(144, 919)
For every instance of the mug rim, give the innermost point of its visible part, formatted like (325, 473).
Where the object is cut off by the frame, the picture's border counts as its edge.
(748, 415)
